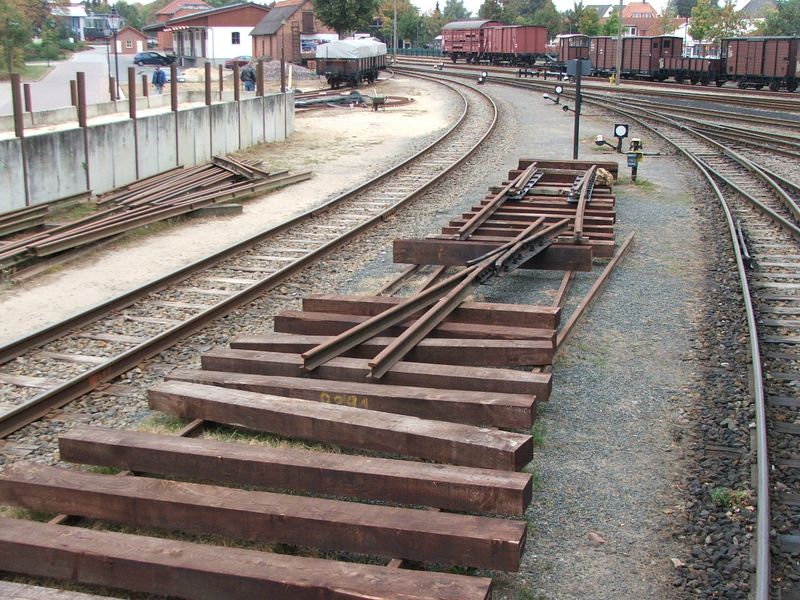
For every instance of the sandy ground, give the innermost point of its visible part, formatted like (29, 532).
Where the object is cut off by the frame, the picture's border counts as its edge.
(342, 147)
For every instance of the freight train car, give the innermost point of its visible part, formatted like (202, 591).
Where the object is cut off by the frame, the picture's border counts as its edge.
(520, 45)
(465, 39)
(493, 42)
(642, 57)
(763, 61)
(350, 61)
(573, 46)
(694, 70)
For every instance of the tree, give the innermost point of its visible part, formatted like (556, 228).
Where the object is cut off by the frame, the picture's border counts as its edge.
(454, 10)
(408, 20)
(729, 22)
(548, 16)
(573, 16)
(15, 33)
(589, 22)
(491, 9)
(131, 14)
(704, 18)
(345, 16)
(784, 20)
(682, 8)
(666, 20)
(611, 26)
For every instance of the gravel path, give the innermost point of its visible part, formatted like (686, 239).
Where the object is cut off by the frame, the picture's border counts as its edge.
(621, 507)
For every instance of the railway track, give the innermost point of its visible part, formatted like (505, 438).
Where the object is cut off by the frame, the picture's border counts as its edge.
(457, 401)
(763, 99)
(112, 338)
(762, 217)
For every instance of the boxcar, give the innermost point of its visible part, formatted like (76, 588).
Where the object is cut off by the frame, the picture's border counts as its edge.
(603, 55)
(350, 61)
(572, 47)
(515, 44)
(465, 39)
(759, 61)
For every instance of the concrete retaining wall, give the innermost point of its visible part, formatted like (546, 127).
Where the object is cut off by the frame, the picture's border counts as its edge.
(118, 152)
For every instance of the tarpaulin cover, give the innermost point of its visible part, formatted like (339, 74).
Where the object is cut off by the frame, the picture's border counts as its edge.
(362, 48)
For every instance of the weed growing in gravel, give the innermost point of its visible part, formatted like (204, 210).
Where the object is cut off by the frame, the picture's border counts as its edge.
(642, 184)
(72, 213)
(537, 433)
(727, 498)
(161, 423)
(100, 470)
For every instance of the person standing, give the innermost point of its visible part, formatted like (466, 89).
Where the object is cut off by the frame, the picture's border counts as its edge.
(249, 77)
(159, 79)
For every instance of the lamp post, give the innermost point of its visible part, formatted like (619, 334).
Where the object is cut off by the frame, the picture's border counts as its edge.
(394, 32)
(113, 24)
(621, 9)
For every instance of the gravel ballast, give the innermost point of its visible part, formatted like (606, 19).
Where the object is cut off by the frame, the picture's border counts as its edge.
(622, 505)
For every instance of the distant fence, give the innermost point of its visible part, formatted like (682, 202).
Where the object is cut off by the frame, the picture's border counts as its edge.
(415, 52)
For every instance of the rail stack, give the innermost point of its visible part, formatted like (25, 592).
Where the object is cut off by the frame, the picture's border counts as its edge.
(412, 403)
(165, 196)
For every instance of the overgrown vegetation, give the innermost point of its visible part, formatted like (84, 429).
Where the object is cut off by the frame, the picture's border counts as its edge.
(727, 498)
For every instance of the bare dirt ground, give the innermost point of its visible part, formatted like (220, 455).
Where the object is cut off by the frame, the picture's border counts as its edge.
(332, 143)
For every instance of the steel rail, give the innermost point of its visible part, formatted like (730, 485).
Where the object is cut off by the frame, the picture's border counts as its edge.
(90, 379)
(753, 99)
(763, 575)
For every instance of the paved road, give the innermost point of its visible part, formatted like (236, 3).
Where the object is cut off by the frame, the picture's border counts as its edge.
(53, 90)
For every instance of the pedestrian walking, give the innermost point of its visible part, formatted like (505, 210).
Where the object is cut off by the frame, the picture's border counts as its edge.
(249, 77)
(159, 79)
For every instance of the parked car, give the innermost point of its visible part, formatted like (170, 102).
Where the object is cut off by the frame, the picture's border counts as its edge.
(178, 75)
(153, 58)
(239, 60)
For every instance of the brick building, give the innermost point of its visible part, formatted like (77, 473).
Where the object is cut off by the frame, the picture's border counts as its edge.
(291, 28)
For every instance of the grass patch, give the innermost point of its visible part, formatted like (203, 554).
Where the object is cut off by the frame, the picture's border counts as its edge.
(727, 498)
(224, 433)
(640, 183)
(161, 423)
(29, 73)
(101, 470)
(537, 433)
(72, 213)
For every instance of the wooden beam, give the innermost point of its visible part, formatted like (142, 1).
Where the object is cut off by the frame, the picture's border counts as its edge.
(484, 313)
(318, 323)
(459, 351)
(403, 482)
(431, 536)
(205, 572)
(558, 257)
(508, 411)
(479, 379)
(452, 443)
